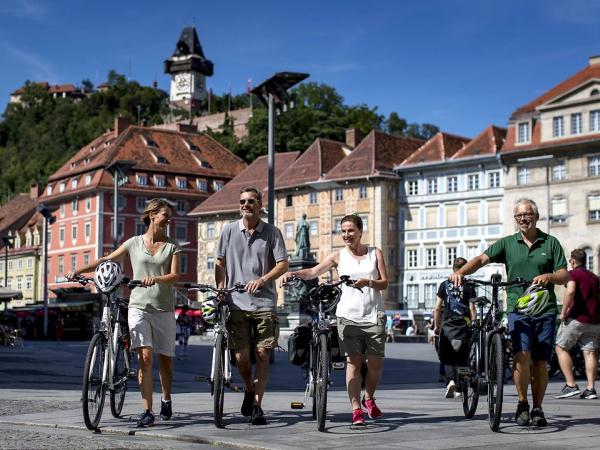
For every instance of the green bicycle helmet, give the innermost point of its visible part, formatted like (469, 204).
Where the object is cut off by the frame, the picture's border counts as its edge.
(533, 301)
(209, 310)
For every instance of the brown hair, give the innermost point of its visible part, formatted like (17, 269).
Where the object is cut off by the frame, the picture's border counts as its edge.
(458, 263)
(252, 189)
(579, 256)
(153, 207)
(356, 220)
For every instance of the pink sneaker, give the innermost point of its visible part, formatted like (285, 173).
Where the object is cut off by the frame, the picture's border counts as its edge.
(372, 409)
(358, 417)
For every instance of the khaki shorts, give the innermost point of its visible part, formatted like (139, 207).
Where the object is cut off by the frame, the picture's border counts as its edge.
(266, 324)
(154, 329)
(362, 338)
(573, 331)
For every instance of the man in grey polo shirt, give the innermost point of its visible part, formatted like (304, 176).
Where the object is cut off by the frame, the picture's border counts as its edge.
(252, 252)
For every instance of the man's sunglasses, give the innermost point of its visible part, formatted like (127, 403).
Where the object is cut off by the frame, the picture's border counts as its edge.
(248, 201)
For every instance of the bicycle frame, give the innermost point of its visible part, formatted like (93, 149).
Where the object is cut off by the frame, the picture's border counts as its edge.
(221, 328)
(321, 326)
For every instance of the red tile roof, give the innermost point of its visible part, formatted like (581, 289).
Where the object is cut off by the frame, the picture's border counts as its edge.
(43, 84)
(16, 212)
(439, 148)
(377, 154)
(314, 163)
(60, 88)
(255, 175)
(488, 142)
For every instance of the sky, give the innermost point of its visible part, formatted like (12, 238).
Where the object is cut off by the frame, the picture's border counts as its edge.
(458, 64)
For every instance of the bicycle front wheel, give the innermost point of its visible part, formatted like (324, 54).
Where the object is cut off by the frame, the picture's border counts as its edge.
(117, 394)
(323, 358)
(92, 396)
(495, 377)
(469, 384)
(219, 380)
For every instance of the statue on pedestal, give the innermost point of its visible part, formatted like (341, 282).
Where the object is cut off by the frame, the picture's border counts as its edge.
(302, 240)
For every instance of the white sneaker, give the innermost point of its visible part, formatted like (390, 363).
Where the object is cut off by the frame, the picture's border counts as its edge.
(450, 389)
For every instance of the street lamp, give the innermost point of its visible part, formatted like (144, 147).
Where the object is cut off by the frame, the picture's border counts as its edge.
(119, 170)
(8, 243)
(49, 219)
(273, 93)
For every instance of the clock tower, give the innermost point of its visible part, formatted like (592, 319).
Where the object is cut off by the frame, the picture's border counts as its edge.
(188, 68)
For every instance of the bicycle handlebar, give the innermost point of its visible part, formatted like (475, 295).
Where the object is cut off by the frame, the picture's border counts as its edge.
(83, 280)
(344, 279)
(237, 287)
(494, 282)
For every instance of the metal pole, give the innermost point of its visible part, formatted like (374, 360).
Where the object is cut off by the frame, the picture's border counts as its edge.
(45, 278)
(271, 162)
(116, 208)
(548, 209)
(6, 264)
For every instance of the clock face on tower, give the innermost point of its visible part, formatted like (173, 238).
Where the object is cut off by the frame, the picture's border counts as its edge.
(183, 82)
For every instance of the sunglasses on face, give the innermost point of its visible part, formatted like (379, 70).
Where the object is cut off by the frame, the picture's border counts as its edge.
(523, 216)
(247, 201)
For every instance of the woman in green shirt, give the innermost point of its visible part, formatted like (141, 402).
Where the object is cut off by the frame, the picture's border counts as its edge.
(151, 311)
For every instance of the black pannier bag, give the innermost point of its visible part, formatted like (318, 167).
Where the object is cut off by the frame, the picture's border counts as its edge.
(336, 351)
(454, 342)
(299, 345)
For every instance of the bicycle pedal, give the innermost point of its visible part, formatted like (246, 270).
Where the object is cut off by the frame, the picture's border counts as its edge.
(297, 405)
(338, 365)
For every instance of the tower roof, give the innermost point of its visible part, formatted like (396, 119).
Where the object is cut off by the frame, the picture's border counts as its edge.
(188, 55)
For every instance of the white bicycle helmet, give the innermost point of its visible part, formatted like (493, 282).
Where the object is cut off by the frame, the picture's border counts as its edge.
(533, 301)
(209, 310)
(108, 276)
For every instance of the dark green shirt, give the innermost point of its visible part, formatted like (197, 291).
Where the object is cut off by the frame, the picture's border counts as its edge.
(544, 256)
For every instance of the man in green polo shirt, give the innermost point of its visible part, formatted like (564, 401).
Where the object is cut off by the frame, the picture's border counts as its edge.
(533, 255)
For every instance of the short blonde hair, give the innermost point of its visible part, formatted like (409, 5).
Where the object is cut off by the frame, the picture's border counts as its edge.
(153, 207)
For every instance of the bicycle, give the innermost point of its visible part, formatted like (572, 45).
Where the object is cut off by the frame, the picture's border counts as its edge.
(220, 371)
(108, 360)
(322, 301)
(485, 372)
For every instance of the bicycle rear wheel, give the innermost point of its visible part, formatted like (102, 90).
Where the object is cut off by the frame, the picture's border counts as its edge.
(92, 395)
(219, 380)
(496, 380)
(322, 384)
(117, 395)
(469, 384)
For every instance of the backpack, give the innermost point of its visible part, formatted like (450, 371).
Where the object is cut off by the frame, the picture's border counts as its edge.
(454, 305)
(299, 345)
(454, 342)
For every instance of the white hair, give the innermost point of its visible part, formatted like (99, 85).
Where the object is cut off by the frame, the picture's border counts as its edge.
(527, 201)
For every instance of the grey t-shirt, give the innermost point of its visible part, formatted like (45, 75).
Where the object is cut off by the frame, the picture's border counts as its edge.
(160, 296)
(250, 257)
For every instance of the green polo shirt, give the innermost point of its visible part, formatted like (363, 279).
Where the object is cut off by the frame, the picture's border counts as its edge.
(544, 256)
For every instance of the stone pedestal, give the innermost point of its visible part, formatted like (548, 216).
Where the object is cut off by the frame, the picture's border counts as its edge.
(289, 312)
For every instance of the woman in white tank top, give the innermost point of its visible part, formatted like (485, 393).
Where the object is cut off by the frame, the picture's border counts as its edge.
(361, 317)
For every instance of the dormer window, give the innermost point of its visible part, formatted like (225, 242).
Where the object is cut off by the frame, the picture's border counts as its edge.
(558, 126)
(218, 185)
(576, 123)
(159, 181)
(149, 142)
(73, 164)
(141, 179)
(594, 92)
(181, 183)
(88, 179)
(202, 185)
(86, 161)
(61, 187)
(49, 190)
(191, 146)
(524, 134)
(74, 184)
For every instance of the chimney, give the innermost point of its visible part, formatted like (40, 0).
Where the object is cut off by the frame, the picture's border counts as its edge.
(353, 137)
(594, 60)
(35, 191)
(187, 128)
(121, 124)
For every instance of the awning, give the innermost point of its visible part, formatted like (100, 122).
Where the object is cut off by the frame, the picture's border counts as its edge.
(7, 294)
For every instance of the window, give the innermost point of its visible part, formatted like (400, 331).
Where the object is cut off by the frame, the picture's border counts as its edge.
(473, 181)
(524, 134)
(181, 206)
(219, 185)
(88, 179)
(182, 183)
(431, 257)
(61, 234)
(594, 166)
(140, 228)
(432, 186)
(19, 283)
(10, 264)
(140, 203)
(121, 202)
(312, 198)
(412, 295)
(119, 228)
(523, 175)
(75, 205)
(313, 227)
(288, 230)
(494, 179)
(450, 256)
(182, 263)
(9, 282)
(73, 262)
(392, 223)
(594, 207)
(413, 187)
(210, 263)
(202, 185)
(559, 172)
(210, 230)
(289, 200)
(471, 251)
(595, 120)
(74, 232)
(430, 295)
(159, 181)
(362, 191)
(86, 258)
(589, 259)
(411, 257)
(29, 263)
(74, 183)
(19, 264)
(365, 221)
(392, 191)
(559, 210)
(392, 256)
(62, 210)
(558, 126)
(88, 204)
(181, 232)
(576, 123)
(339, 195)
(29, 282)
(61, 187)
(61, 264)
(36, 238)
(49, 190)
(452, 184)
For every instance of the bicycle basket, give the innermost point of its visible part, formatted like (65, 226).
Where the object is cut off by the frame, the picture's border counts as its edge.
(328, 296)
(533, 301)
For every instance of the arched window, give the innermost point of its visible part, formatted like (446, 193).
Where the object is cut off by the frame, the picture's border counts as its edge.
(594, 92)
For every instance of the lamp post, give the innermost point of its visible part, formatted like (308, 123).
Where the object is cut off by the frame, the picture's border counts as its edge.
(119, 170)
(49, 219)
(273, 93)
(8, 243)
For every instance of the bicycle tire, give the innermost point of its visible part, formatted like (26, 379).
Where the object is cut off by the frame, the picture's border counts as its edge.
(219, 380)
(495, 378)
(322, 381)
(315, 376)
(94, 390)
(470, 384)
(117, 395)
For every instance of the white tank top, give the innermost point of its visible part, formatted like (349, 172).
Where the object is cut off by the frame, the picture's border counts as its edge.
(361, 307)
